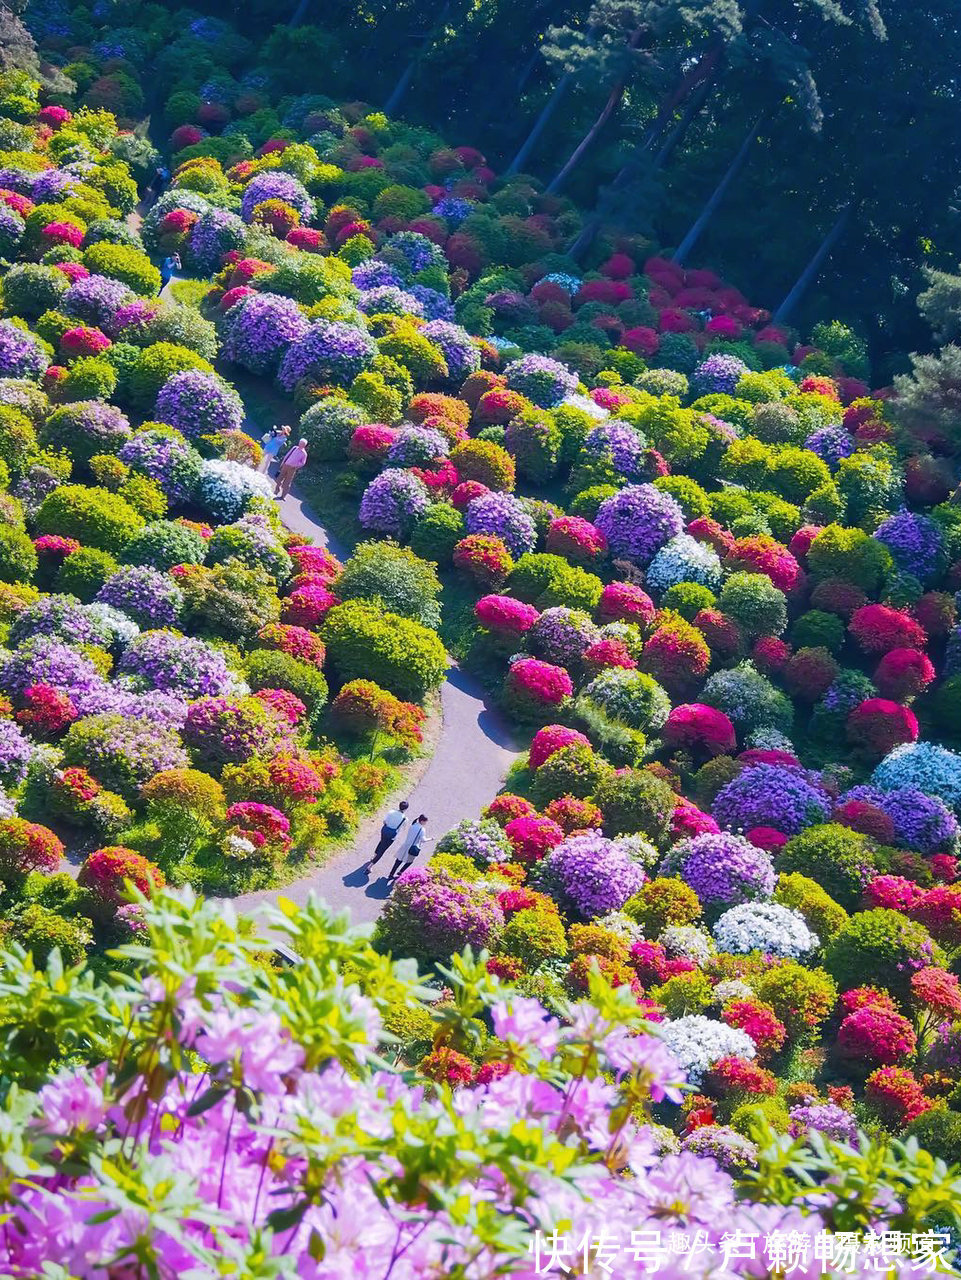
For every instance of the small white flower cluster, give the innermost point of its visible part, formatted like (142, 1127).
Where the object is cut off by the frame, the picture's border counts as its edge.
(731, 989)
(684, 559)
(638, 850)
(698, 1042)
(687, 942)
(622, 925)
(766, 927)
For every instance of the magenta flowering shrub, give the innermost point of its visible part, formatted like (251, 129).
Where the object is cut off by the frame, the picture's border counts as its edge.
(224, 730)
(535, 689)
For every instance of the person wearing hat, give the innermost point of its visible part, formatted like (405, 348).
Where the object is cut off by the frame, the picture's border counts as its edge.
(273, 441)
(290, 464)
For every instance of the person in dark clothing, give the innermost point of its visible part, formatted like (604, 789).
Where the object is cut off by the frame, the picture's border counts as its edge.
(393, 822)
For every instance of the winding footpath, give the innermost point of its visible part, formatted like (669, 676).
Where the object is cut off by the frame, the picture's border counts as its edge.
(474, 750)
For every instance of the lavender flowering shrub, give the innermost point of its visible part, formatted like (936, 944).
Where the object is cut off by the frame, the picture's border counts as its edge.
(148, 596)
(21, 353)
(590, 874)
(199, 404)
(392, 502)
(165, 457)
(638, 521)
(329, 351)
(545, 381)
(260, 328)
(723, 869)
(772, 795)
(504, 516)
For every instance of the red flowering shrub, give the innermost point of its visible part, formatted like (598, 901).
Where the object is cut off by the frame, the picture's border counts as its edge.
(896, 1095)
(607, 653)
(641, 340)
(427, 404)
(707, 530)
(801, 541)
(762, 554)
(878, 628)
(533, 838)
(447, 1066)
(861, 815)
(875, 1035)
(48, 712)
(739, 1075)
(496, 407)
(185, 135)
(82, 341)
(809, 673)
(27, 846)
(284, 704)
(262, 825)
(466, 492)
(688, 820)
(937, 990)
(298, 642)
(876, 726)
(894, 893)
(370, 443)
(105, 872)
(724, 637)
(317, 561)
(553, 737)
(770, 655)
(484, 557)
(944, 867)
(577, 539)
(505, 615)
(572, 814)
(936, 612)
(676, 655)
(768, 838)
(903, 673)
(761, 1024)
(505, 807)
(534, 689)
(820, 386)
(699, 726)
(363, 707)
(834, 595)
(292, 780)
(939, 910)
(652, 966)
(625, 602)
(867, 998)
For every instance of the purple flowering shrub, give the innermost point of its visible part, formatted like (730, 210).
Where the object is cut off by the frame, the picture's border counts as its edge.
(770, 795)
(589, 874)
(329, 351)
(260, 329)
(392, 502)
(431, 915)
(199, 404)
(150, 597)
(722, 869)
(638, 521)
(172, 663)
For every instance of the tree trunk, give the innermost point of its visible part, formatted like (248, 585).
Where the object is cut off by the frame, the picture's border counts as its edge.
(811, 271)
(703, 71)
(709, 210)
(693, 109)
(407, 75)
(543, 120)
(613, 101)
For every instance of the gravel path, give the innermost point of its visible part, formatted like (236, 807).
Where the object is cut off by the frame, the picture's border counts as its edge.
(473, 753)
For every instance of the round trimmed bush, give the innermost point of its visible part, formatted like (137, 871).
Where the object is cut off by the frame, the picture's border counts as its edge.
(635, 801)
(95, 517)
(272, 669)
(18, 558)
(840, 860)
(365, 642)
(881, 947)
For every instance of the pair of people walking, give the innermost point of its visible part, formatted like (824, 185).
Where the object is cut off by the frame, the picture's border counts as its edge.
(272, 442)
(412, 844)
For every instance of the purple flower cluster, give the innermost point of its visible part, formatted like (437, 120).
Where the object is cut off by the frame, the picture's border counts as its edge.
(638, 521)
(48, 660)
(624, 444)
(831, 443)
(453, 209)
(373, 274)
(230, 731)
(827, 1118)
(276, 185)
(392, 501)
(771, 795)
(21, 355)
(922, 823)
(151, 598)
(915, 543)
(545, 381)
(722, 869)
(561, 635)
(61, 616)
(504, 516)
(443, 914)
(387, 299)
(213, 236)
(52, 185)
(433, 303)
(198, 403)
(590, 874)
(417, 447)
(181, 665)
(259, 329)
(95, 299)
(131, 323)
(411, 250)
(11, 230)
(718, 373)
(455, 344)
(170, 461)
(15, 753)
(330, 351)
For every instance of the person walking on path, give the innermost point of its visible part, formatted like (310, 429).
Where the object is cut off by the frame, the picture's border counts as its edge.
(170, 266)
(291, 463)
(389, 832)
(410, 849)
(273, 441)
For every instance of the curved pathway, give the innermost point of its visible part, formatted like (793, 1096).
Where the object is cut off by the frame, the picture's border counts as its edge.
(473, 753)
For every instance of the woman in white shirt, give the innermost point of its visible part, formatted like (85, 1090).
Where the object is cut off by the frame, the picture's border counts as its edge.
(410, 848)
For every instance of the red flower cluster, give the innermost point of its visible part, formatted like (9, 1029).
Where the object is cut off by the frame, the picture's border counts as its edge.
(106, 872)
(298, 642)
(540, 683)
(608, 652)
(572, 814)
(724, 637)
(770, 654)
(896, 1094)
(739, 1075)
(876, 726)
(577, 539)
(83, 341)
(485, 557)
(308, 605)
(938, 991)
(505, 614)
(762, 554)
(533, 838)
(505, 807)
(903, 673)
(48, 712)
(760, 1022)
(696, 725)
(878, 628)
(874, 1034)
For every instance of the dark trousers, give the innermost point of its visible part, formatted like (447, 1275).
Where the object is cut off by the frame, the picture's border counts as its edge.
(387, 837)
